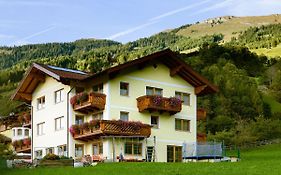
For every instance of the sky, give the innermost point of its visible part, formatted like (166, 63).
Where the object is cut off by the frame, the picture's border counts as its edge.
(41, 21)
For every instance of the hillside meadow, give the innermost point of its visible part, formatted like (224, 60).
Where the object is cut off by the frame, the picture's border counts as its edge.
(258, 161)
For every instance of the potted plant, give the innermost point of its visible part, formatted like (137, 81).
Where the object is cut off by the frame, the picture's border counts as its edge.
(173, 101)
(74, 129)
(73, 100)
(85, 126)
(94, 124)
(27, 141)
(157, 100)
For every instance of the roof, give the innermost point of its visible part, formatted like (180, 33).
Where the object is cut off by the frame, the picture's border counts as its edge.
(37, 73)
(177, 67)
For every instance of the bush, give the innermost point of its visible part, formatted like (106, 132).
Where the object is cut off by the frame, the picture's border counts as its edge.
(51, 156)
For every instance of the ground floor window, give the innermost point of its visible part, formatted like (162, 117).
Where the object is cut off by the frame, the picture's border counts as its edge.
(174, 153)
(62, 150)
(133, 148)
(38, 154)
(79, 150)
(97, 148)
(50, 151)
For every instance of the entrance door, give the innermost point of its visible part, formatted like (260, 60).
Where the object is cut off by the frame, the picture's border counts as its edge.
(174, 153)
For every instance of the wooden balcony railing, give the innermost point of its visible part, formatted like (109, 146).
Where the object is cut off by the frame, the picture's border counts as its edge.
(91, 103)
(160, 104)
(201, 114)
(89, 131)
(22, 146)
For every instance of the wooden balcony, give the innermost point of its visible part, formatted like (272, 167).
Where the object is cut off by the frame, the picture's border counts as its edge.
(94, 102)
(201, 114)
(112, 128)
(22, 146)
(160, 104)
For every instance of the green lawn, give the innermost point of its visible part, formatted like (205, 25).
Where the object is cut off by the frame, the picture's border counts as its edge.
(271, 53)
(263, 160)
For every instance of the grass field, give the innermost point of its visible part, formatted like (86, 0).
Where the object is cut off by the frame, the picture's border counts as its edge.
(271, 53)
(259, 161)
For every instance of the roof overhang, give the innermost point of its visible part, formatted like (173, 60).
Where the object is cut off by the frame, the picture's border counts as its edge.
(176, 65)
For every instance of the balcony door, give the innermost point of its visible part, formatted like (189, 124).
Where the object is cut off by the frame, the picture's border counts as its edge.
(174, 153)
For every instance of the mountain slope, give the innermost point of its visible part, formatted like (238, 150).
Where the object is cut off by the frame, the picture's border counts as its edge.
(229, 26)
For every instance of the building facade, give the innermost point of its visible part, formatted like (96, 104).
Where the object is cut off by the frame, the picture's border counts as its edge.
(143, 110)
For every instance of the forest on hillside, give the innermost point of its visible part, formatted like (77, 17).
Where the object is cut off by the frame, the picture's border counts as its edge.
(237, 114)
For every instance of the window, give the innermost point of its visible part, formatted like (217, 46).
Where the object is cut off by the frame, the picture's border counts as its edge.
(154, 121)
(26, 132)
(184, 97)
(174, 153)
(98, 116)
(62, 150)
(50, 151)
(41, 102)
(97, 148)
(19, 132)
(79, 119)
(40, 129)
(79, 150)
(124, 116)
(98, 88)
(124, 89)
(59, 96)
(182, 125)
(133, 148)
(38, 154)
(154, 91)
(59, 123)
(14, 132)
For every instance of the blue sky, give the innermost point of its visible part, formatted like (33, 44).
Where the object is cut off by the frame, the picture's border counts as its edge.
(41, 21)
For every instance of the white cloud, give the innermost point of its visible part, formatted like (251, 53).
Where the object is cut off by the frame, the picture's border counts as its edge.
(170, 13)
(130, 30)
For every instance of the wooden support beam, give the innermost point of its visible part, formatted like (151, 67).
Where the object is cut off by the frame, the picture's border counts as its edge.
(200, 89)
(25, 96)
(175, 70)
(39, 77)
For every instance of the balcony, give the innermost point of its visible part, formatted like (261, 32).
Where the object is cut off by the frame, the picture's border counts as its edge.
(88, 102)
(96, 128)
(22, 146)
(160, 104)
(201, 114)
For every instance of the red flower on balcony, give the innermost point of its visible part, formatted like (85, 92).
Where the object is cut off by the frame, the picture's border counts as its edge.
(27, 141)
(157, 100)
(173, 101)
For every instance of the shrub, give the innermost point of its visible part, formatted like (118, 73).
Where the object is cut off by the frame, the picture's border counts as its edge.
(51, 156)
